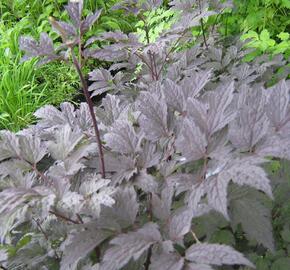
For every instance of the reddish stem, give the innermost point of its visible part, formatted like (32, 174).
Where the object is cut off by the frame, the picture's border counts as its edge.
(91, 109)
(64, 217)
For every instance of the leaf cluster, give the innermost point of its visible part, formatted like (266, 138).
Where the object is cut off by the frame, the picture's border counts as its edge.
(180, 138)
(263, 43)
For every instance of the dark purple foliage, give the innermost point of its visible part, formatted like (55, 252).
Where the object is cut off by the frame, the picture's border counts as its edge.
(177, 128)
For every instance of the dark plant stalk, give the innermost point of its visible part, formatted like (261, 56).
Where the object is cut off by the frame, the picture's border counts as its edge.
(203, 33)
(148, 259)
(150, 215)
(85, 89)
(91, 109)
(143, 60)
(151, 56)
(40, 228)
(80, 34)
(40, 174)
(80, 218)
(202, 26)
(45, 236)
(216, 20)
(155, 67)
(167, 55)
(64, 217)
(80, 50)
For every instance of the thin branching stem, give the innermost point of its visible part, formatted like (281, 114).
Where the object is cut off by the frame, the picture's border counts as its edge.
(61, 216)
(202, 26)
(194, 236)
(143, 60)
(167, 55)
(80, 218)
(40, 174)
(33, 166)
(45, 235)
(80, 51)
(40, 228)
(216, 20)
(203, 33)
(151, 56)
(155, 67)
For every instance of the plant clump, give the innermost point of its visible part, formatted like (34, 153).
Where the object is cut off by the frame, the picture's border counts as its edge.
(181, 133)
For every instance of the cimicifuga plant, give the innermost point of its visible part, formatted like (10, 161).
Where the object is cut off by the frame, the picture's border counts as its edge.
(183, 132)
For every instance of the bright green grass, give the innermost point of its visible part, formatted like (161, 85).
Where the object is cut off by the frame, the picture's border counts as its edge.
(24, 87)
(19, 96)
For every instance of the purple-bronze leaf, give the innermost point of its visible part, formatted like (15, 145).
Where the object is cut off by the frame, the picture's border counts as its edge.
(9, 145)
(161, 206)
(274, 145)
(173, 95)
(74, 9)
(195, 83)
(278, 104)
(28, 45)
(46, 44)
(146, 182)
(32, 149)
(220, 111)
(245, 171)
(197, 111)
(216, 189)
(216, 255)
(80, 244)
(65, 30)
(42, 48)
(153, 119)
(90, 20)
(102, 81)
(125, 208)
(251, 123)
(180, 224)
(122, 138)
(130, 245)
(168, 261)
(195, 266)
(191, 142)
(194, 195)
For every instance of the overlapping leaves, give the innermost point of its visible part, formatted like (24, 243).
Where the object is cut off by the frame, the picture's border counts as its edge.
(173, 143)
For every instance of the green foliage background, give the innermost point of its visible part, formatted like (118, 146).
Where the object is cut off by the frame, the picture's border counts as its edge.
(23, 87)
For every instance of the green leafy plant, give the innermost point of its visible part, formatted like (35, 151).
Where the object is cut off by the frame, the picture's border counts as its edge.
(265, 22)
(263, 43)
(156, 21)
(254, 15)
